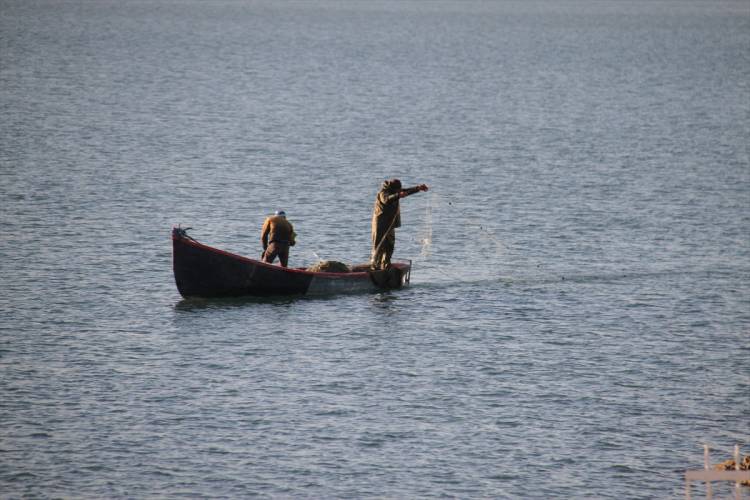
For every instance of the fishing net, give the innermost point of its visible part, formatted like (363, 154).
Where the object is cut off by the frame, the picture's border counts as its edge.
(329, 266)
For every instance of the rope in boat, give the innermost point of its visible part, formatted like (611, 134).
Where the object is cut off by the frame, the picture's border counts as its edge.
(182, 231)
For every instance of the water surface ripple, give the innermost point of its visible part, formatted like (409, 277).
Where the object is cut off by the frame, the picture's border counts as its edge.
(579, 316)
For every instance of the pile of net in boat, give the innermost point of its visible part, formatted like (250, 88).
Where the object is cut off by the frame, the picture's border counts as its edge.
(329, 266)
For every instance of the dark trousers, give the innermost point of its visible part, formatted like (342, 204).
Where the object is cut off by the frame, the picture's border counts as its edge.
(381, 255)
(277, 249)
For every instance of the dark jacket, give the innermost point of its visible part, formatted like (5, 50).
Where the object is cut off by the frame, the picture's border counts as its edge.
(386, 214)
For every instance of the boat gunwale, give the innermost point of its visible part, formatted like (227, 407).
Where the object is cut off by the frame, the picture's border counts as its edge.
(277, 268)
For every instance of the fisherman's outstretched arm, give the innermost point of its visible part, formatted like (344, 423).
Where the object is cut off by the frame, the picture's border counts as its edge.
(409, 191)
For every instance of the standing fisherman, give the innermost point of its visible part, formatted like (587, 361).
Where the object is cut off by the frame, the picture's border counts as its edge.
(386, 217)
(277, 236)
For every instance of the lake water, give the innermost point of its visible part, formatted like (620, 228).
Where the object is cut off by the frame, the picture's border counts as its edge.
(578, 323)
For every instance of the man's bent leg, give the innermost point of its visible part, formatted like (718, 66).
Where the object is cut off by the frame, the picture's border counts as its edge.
(283, 253)
(271, 253)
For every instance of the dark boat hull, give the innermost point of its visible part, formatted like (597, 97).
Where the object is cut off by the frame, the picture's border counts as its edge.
(204, 271)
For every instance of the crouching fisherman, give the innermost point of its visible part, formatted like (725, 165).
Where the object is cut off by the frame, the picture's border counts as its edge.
(386, 217)
(277, 236)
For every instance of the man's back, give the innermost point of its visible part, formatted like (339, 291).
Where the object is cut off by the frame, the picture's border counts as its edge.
(277, 228)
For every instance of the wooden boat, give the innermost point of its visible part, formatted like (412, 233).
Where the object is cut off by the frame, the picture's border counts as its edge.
(204, 271)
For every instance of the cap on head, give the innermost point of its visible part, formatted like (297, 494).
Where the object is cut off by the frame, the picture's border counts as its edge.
(280, 213)
(392, 185)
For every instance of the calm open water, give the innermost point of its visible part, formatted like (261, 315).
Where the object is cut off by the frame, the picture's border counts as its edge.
(579, 320)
